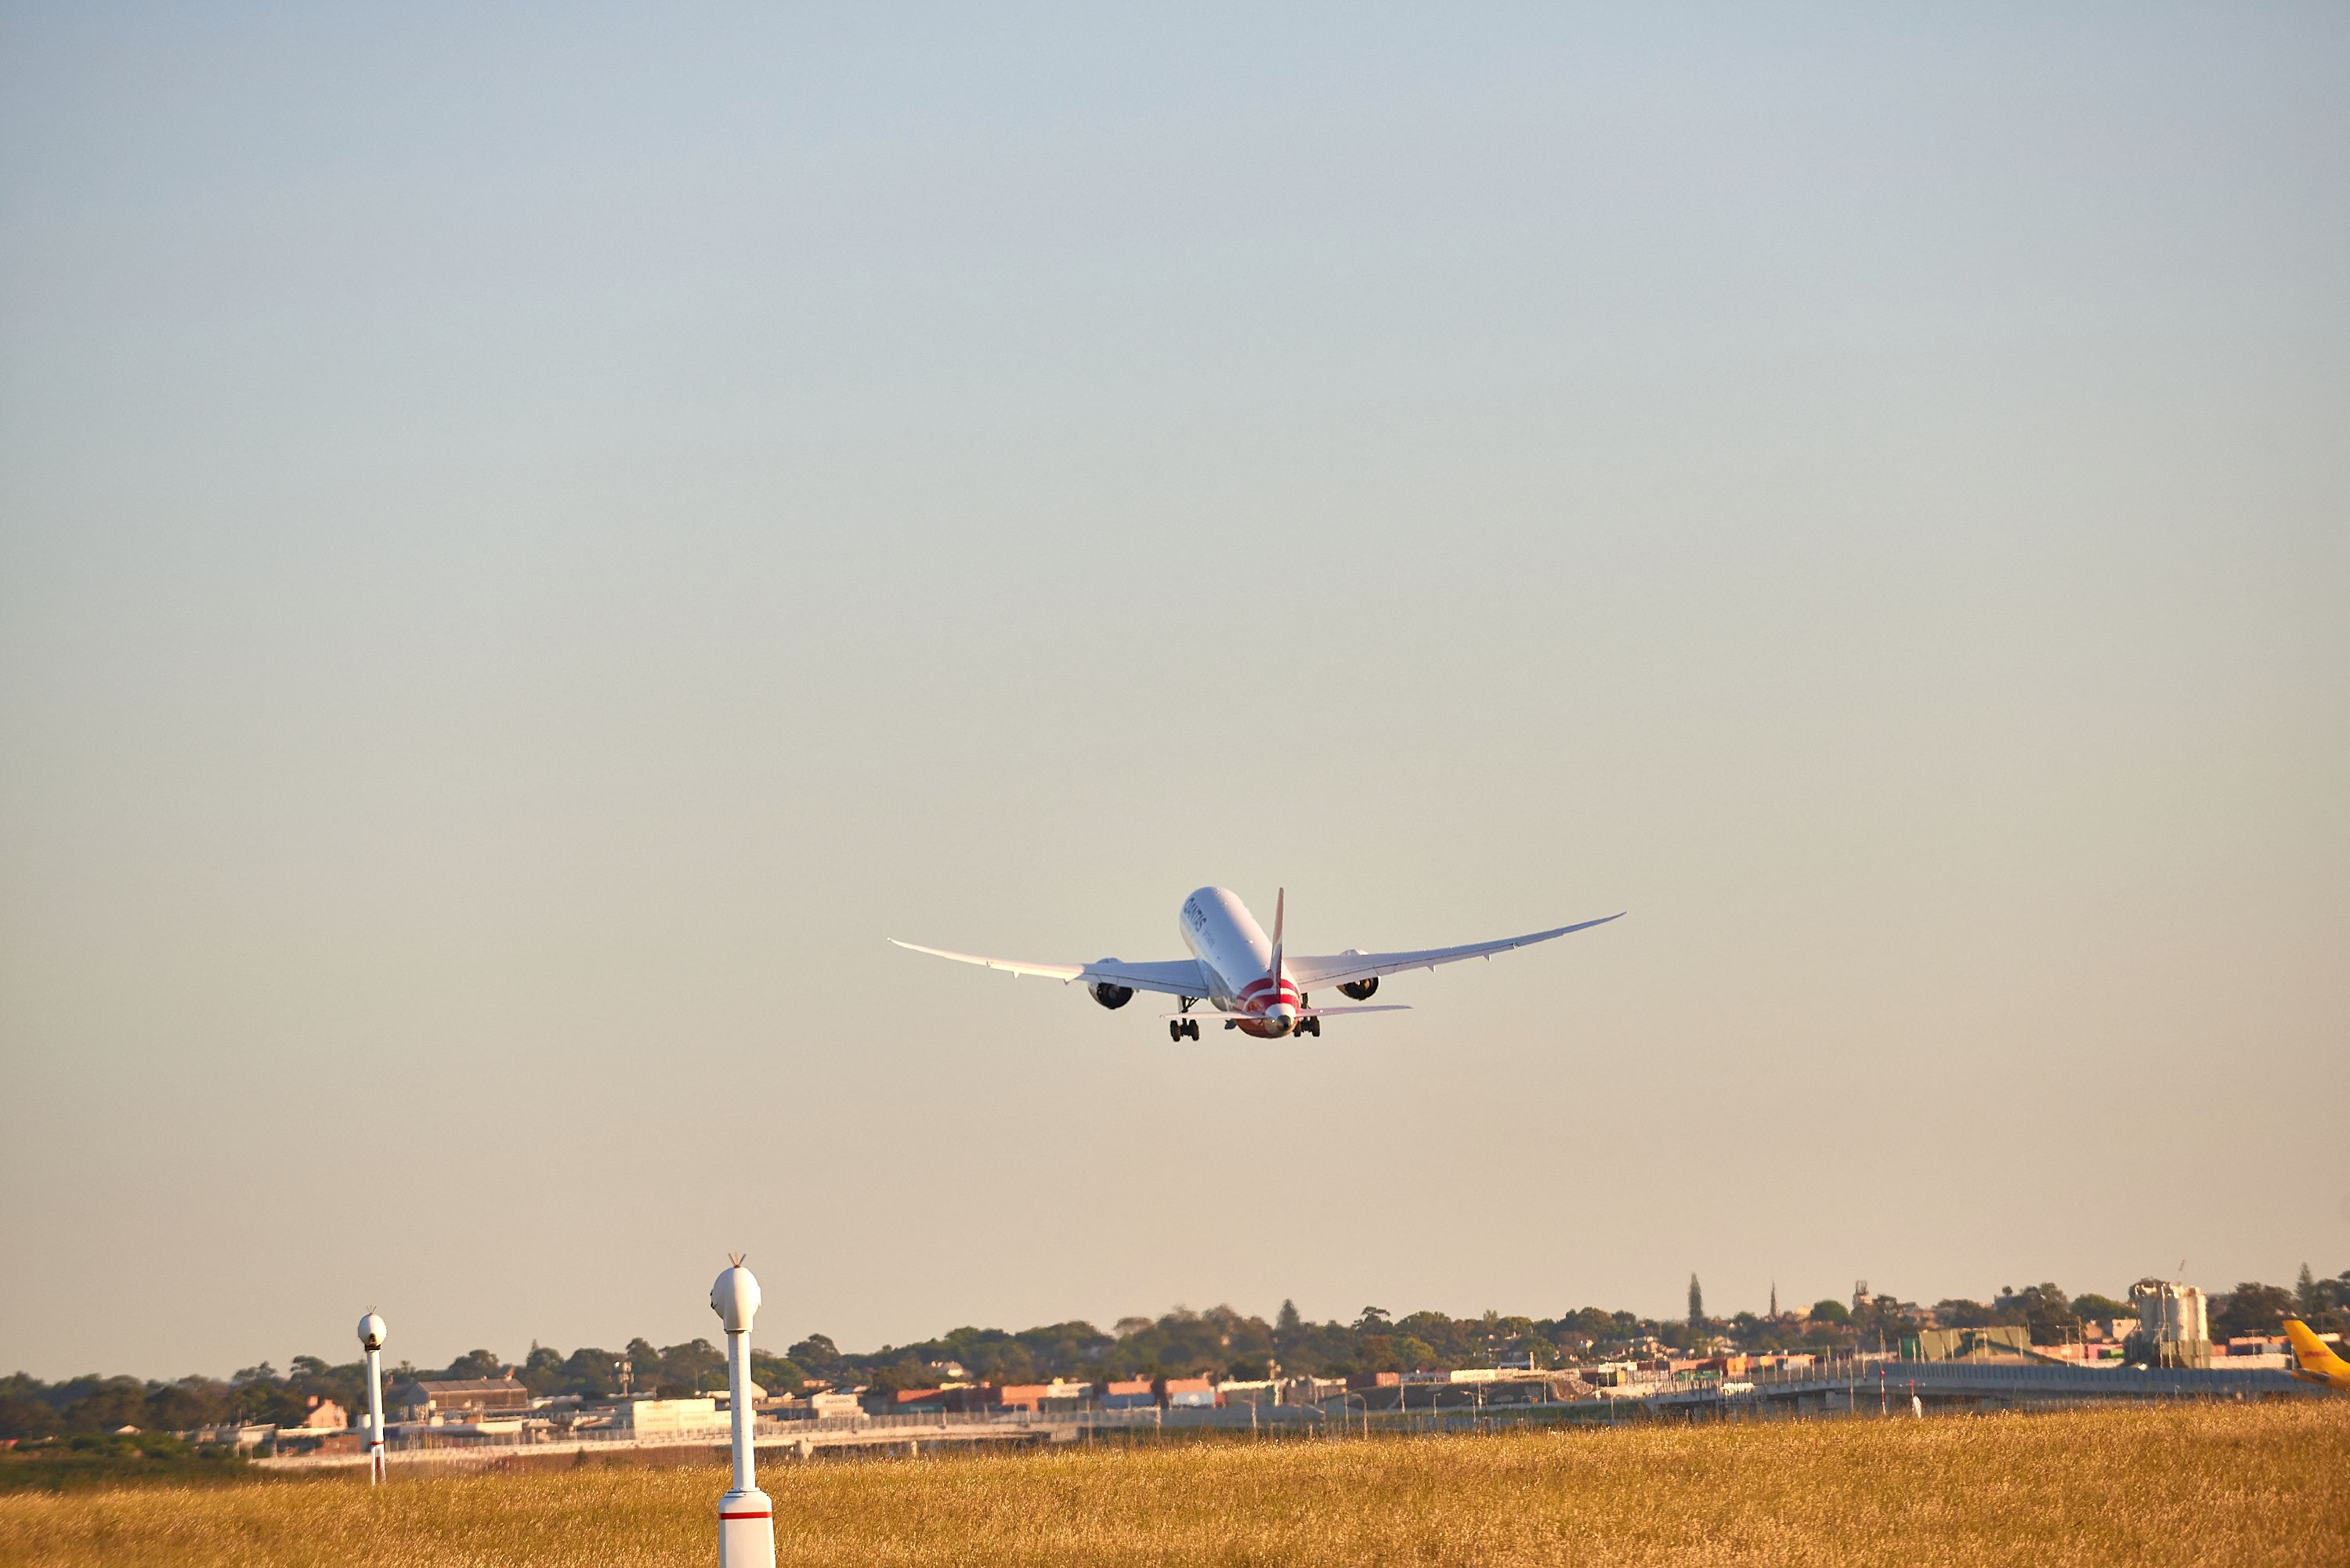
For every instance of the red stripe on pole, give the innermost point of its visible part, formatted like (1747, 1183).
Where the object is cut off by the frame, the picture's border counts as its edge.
(763, 1514)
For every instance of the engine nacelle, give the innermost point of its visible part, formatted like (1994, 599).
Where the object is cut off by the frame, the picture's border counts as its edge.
(1111, 996)
(1360, 990)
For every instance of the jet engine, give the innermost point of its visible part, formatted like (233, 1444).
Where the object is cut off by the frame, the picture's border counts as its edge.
(1111, 996)
(1360, 990)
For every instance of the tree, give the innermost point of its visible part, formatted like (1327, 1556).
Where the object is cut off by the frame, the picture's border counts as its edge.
(26, 1418)
(818, 1357)
(258, 1402)
(2094, 1306)
(476, 1363)
(1831, 1310)
(189, 1403)
(1373, 1321)
(775, 1374)
(2253, 1308)
(688, 1368)
(2308, 1294)
(2048, 1314)
(1696, 1303)
(1287, 1325)
(541, 1370)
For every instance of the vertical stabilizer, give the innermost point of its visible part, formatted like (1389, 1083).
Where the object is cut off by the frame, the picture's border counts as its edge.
(2317, 1361)
(1280, 908)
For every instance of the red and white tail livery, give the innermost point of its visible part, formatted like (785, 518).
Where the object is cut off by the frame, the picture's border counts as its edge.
(1242, 975)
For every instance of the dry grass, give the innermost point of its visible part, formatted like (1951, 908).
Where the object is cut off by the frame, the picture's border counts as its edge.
(2230, 1484)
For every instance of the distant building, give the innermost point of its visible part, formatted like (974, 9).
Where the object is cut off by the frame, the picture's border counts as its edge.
(2008, 1342)
(242, 1437)
(670, 1417)
(1184, 1393)
(325, 1415)
(1249, 1391)
(1057, 1395)
(1128, 1394)
(904, 1401)
(466, 1398)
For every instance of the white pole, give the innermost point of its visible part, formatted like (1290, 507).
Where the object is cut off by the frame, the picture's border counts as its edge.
(371, 1331)
(746, 1519)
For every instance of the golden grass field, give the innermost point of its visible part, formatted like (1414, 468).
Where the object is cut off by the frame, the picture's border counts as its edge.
(2175, 1485)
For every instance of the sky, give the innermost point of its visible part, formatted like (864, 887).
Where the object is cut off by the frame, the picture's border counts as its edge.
(533, 539)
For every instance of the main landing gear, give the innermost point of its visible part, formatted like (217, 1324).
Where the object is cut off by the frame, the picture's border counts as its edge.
(1182, 1029)
(1310, 1026)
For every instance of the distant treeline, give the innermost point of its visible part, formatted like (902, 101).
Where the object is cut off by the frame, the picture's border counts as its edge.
(1219, 1341)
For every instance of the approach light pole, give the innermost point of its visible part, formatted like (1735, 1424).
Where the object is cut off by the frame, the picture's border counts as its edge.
(746, 1519)
(371, 1331)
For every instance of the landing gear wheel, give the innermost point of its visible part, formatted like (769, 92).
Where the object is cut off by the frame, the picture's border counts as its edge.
(1191, 1028)
(1174, 1028)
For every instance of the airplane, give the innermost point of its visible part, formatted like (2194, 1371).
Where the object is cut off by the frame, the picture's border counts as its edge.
(2319, 1365)
(1241, 973)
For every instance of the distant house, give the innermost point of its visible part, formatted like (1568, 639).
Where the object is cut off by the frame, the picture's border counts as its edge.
(325, 1415)
(466, 1398)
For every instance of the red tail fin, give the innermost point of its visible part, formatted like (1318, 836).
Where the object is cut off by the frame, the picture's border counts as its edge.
(1280, 908)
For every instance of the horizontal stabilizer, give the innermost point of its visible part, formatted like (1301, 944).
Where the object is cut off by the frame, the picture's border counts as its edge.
(1302, 1013)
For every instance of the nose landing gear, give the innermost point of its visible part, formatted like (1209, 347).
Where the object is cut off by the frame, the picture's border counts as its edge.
(1310, 1026)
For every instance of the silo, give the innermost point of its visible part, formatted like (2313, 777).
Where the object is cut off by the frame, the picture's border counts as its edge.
(2187, 1312)
(2174, 1321)
(2146, 1296)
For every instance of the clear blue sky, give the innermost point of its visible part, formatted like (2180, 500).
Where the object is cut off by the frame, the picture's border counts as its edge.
(531, 540)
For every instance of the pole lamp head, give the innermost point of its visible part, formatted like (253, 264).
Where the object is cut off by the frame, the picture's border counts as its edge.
(736, 1297)
(371, 1333)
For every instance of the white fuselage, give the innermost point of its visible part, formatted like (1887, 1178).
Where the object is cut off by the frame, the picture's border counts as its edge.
(1238, 956)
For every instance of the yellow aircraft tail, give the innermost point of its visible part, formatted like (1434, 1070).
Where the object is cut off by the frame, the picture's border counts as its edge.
(2318, 1363)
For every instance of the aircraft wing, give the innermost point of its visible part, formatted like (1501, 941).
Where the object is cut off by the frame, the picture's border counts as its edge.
(1339, 968)
(1176, 977)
